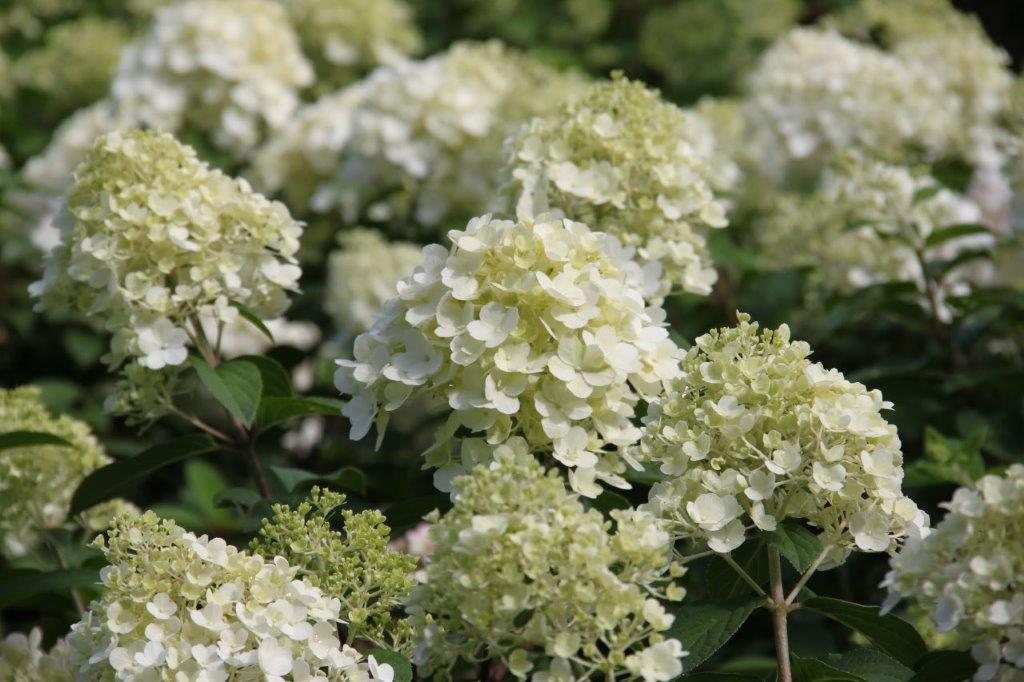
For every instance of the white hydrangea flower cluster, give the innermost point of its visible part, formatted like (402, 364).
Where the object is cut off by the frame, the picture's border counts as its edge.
(967, 574)
(152, 238)
(231, 68)
(177, 606)
(536, 327)
(626, 162)
(522, 571)
(22, 659)
(426, 142)
(754, 433)
(37, 481)
(346, 38)
(363, 275)
(869, 224)
(815, 92)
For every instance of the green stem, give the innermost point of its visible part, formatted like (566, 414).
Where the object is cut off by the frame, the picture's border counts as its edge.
(780, 609)
(743, 574)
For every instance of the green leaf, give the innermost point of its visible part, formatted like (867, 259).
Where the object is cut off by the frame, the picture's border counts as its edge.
(401, 664)
(24, 439)
(704, 628)
(945, 234)
(814, 670)
(721, 677)
(236, 384)
(405, 514)
(608, 501)
(252, 318)
(275, 410)
(649, 476)
(871, 665)
(724, 583)
(240, 497)
(85, 348)
(926, 193)
(892, 635)
(349, 478)
(18, 584)
(284, 480)
(276, 380)
(948, 460)
(123, 475)
(945, 666)
(798, 545)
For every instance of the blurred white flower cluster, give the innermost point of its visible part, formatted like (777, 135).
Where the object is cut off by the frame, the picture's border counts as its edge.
(177, 606)
(967, 574)
(346, 38)
(753, 433)
(871, 223)
(231, 68)
(152, 238)
(363, 275)
(814, 93)
(536, 327)
(37, 481)
(624, 161)
(425, 143)
(22, 659)
(522, 571)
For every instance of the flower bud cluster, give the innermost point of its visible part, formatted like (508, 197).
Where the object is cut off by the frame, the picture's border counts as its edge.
(753, 433)
(626, 162)
(537, 327)
(967, 573)
(231, 68)
(177, 606)
(522, 571)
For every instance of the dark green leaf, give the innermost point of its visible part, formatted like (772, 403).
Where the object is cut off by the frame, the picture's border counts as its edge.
(286, 479)
(274, 410)
(401, 664)
(798, 545)
(24, 439)
(871, 665)
(945, 666)
(241, 497)
(276, 381)
(607, 501)
(84, 347)
(649, 476)
(236, 384)
(405, 514)
(947, 460)
(253, 319)
(349, 478)
(813, 670)
(123, 475)
(945, 234)
(704, 628)
(892, 635)
(724, 583)
(721, 677)
(926, 193)
(18, 584)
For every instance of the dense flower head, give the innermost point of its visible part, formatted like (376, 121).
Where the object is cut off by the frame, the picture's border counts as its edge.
(37, 481)
(815, 92)
(754, 433)
(152, 238)
(968, 574)
(229, 68)
(22, 659)
(626, 162)
(355, 566)
(867, 224)
(346, 38)
(522, 571)
(426, 140)
(536, 327)
(362, 276)
(75, 64)
(177, 606)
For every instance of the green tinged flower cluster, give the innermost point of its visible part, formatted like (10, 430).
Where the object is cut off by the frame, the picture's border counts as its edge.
(22, 659)
(523, 572)
(36, 482)
(967, 574)
(151, 239)
(754, 433)
(625, 162)
(76, 62)
(355, 566)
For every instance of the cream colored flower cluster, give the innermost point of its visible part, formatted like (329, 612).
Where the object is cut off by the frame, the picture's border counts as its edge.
(37, 481)
(153, 238)
(968, 574)
(625, 162)
(230, 68)
(22, 659)
(754, 433)
(870, 223)
(522, 571)
(363, 275)
(537, 327)
(346, 38)
(177, 606)
(426, 142)
(814, 93)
